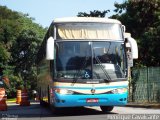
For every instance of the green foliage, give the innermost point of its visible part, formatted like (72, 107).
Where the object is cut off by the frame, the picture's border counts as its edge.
(142, 20)
(15, 81)
(4, 54)
(20, 39)
(138, 15)
(9, 30)
(8, 14)
(95, 13)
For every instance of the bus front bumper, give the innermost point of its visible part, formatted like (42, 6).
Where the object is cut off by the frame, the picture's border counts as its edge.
(90, 100)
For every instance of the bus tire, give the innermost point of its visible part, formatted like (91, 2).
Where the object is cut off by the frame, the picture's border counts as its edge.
(106, 108)
(41, 103)
(56, 110)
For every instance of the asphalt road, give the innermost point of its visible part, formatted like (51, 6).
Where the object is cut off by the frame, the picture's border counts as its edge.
(36, 112)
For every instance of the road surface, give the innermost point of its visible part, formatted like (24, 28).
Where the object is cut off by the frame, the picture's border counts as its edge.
(37, 112)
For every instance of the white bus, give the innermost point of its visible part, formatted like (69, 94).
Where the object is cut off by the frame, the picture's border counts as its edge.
(83, 62)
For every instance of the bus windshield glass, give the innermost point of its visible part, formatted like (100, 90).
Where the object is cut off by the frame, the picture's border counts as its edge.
(90, 60)
(78, 31)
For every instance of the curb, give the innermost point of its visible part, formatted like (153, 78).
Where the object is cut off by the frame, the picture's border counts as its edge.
(155, 106)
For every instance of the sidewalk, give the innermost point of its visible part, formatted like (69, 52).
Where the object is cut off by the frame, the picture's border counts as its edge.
(144, 105)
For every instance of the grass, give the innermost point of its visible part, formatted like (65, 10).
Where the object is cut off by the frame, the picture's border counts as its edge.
(11, 100)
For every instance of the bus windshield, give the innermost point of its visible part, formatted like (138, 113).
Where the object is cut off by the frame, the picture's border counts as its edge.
(90, 60)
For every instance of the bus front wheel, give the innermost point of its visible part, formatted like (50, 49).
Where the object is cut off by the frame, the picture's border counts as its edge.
(106, 108)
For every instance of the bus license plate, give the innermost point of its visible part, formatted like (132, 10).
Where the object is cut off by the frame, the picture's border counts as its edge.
(92, 100)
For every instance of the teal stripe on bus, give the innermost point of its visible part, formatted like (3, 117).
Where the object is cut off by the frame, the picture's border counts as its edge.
(108, 87)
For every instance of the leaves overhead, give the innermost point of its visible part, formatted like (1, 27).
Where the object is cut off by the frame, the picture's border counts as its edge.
(95, 13)
(142, 20)
(137, 15)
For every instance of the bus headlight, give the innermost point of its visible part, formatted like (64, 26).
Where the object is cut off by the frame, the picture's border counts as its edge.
(119, 90)
(63, 91)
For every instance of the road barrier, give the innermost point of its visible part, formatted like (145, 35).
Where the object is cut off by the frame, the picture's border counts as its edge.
(18, 100)
(24, 98)
(3, 97)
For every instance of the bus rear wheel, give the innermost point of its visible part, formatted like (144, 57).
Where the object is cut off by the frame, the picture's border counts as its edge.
(106, 108)
(56, 110)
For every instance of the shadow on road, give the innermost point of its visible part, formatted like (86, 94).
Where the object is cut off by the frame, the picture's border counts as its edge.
(80, 111)
(37, 111)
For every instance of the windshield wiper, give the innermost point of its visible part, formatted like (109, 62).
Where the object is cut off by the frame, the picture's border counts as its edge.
(108, 78)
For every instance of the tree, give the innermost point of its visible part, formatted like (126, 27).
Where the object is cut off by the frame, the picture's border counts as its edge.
(20, 39)
(141, 18)
(95, 13)
(9, 30)
(25, 48)
(24, 52)
(4, 54)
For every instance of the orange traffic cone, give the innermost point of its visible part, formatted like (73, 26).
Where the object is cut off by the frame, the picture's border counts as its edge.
(18, 99)
(24, 98)
(3, 105)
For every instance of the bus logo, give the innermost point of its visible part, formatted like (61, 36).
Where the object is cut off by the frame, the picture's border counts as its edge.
(93, 91)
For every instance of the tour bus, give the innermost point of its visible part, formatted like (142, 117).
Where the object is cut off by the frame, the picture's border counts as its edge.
(83, 61)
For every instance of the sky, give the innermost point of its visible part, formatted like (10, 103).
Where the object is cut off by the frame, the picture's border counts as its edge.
(45, 11)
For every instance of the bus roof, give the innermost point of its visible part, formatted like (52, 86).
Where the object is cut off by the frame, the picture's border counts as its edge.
(85, 19)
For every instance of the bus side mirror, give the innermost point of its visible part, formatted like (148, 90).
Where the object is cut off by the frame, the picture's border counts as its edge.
(123, 28)
(132, 44)
(134, 47)
(50, 49)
